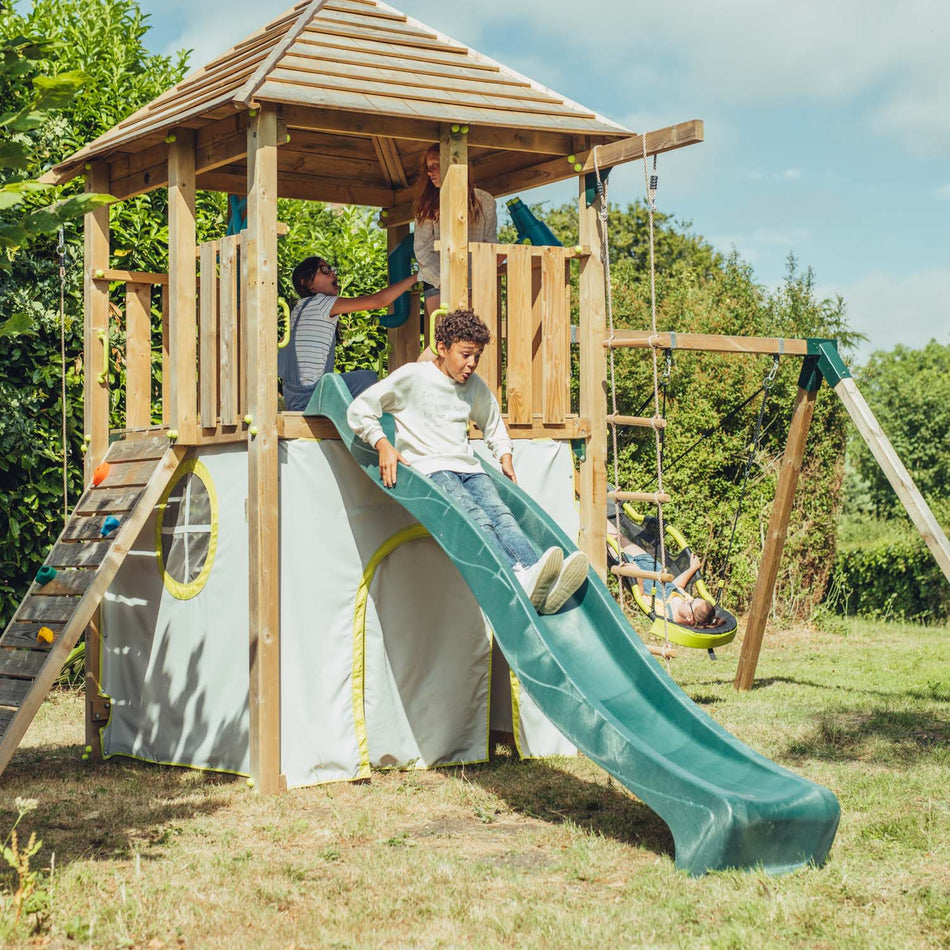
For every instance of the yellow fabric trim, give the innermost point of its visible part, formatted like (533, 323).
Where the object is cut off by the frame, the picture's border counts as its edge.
(516, 711)
(412, 533)
(176, 588)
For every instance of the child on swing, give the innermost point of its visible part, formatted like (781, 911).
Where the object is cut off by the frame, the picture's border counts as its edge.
(432, 404)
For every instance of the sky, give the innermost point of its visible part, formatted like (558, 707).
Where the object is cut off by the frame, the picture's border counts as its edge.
(827, 135)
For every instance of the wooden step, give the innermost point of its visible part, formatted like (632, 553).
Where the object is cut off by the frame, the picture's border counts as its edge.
(643, 422)
(655, 498)
(627, 570)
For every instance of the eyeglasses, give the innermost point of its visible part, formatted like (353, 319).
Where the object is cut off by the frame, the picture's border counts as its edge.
(325, 268)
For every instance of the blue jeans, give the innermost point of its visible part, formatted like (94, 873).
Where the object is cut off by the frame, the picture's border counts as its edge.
(476, 495)
(359, 379)
(647, 562)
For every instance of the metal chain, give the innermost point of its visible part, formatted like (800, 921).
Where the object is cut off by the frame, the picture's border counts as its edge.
(61, 253)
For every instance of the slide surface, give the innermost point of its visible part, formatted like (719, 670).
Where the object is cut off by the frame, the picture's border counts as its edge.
(588, 671)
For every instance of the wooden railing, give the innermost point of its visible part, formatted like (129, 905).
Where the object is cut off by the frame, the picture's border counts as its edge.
(523, 293)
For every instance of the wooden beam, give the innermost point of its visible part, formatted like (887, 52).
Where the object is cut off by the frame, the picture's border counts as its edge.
(544, 173)
(263, 468)
(761, 605)
(593, 387)
(96, 326)
(390, 162)
(182, 277)
(453, 218)
(900, 479)
(707, 343)
(305, 188)
(130, 277)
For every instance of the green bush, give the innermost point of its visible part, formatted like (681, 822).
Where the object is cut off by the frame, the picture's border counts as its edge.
(890, 580)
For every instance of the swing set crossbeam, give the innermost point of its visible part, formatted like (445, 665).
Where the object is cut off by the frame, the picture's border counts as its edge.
(706, 342)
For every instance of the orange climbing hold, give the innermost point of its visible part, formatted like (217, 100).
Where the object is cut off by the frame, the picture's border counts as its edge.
(44, 634)
(101, 473)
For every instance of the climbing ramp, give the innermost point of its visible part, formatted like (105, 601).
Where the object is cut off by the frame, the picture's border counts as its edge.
(81, 566)
(726, 805)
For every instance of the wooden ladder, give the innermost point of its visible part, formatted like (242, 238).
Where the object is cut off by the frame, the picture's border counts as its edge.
(85, 563)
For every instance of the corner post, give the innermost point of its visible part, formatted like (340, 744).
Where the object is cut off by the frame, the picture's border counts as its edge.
(96, 327)
(802, 413)
(263, 496)
(453, 218)
(95, 399)
(593, 386)
(182, 288)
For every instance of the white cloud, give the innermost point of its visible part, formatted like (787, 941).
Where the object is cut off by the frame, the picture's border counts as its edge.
(890, 309)
(942, 193)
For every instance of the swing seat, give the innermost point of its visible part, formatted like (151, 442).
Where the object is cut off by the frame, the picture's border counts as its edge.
(643, 530)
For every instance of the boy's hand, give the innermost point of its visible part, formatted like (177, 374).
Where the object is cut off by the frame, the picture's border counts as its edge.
(388, 461)
(508, 468)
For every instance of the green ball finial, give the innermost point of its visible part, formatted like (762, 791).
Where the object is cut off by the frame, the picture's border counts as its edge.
(173, 434)
(171, 137)
(571, 159)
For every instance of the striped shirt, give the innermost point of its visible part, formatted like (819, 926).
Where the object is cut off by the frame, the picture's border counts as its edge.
(311, 351)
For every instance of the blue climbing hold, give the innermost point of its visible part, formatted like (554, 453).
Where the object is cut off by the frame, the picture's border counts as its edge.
(109, 525)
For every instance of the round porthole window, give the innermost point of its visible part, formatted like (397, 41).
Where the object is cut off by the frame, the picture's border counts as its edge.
(186, 531)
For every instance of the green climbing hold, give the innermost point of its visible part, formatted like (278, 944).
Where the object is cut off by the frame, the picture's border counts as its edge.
(45, 574)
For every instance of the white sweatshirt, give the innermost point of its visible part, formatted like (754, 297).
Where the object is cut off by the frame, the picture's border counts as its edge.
(432, 412)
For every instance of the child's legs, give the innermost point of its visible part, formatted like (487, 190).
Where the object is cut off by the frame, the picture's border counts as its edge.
(476, 494)
(359, 379)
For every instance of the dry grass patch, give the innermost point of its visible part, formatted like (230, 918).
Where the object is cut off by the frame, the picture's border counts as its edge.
(535, 854)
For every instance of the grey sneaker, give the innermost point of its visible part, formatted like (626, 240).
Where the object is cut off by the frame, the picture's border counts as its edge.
(573, 574)
(537, 579)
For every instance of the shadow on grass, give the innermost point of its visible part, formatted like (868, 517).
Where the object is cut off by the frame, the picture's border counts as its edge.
(538, 789)
(932, 695)
(104, 811)
(886, 737)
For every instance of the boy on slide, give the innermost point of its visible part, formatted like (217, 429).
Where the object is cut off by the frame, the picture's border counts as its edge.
(432, 404)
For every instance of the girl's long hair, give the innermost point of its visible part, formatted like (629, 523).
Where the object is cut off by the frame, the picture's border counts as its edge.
(425, 205)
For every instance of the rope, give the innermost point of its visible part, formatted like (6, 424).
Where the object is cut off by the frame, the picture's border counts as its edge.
(603, 213)
(61, 252)
(767, 384)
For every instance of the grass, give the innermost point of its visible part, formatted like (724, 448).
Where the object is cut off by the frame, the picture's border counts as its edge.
(539, 854)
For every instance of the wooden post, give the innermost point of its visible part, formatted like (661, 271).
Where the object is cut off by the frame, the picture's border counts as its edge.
(138, 355)
(95, 397)
(453, 219)
(96, 332)
(182, 288)
(802, 414)
(896, 473)
(263, 469)
(404, 340)
(593, 387)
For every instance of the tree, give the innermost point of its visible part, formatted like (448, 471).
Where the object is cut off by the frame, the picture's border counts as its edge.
(909, 392)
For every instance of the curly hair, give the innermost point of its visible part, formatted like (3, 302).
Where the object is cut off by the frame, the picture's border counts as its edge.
(462, 326)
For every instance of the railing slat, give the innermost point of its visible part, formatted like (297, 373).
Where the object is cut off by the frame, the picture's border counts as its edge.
(208, 335)
(556, 335)
(485, 304)
(138, 355)
(228, 326)
(520, 327)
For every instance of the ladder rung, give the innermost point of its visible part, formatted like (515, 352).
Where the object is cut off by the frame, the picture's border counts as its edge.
(644, 422)
(625, 570)
(656, 498)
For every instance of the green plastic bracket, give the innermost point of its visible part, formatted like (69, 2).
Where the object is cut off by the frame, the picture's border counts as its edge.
(590, 184)
(830, 364)
(579, 448)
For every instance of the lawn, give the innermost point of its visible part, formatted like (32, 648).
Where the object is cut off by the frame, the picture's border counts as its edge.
(541, 854)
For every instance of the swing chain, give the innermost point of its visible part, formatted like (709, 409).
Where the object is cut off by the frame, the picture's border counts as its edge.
(769, 380)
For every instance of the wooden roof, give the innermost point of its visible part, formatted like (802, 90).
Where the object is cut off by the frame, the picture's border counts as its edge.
(362, 90)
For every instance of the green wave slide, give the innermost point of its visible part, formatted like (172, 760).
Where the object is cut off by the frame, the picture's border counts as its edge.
(588, 671)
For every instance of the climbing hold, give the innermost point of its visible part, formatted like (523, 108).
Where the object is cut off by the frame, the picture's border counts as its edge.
(248, 419)
(45, 574)
(101, 473)
(109, 525)
(250, 783)
(571, 159)
(171, 137)
(173, 434)
(253, 430)
(44, 634)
